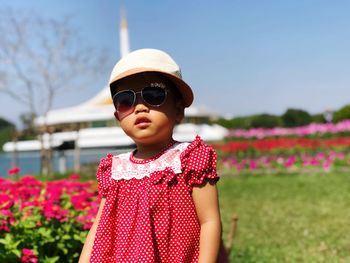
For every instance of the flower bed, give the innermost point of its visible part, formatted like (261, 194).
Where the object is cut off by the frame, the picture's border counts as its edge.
(284, 145)
(45, 221)
(284, 154)
(322, 161)
(311, 129)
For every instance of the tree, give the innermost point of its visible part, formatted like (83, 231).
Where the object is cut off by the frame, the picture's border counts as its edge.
(41, 58)
(265, 121)
(6, 131)
(318, 118)
(295, 118)
(342, 114)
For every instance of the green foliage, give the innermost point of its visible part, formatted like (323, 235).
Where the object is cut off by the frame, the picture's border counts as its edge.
(295, 118)
(292, 118)
(318, 118)
(342, 114)
(265, 121)
(46, 238)
(7, 130)
(5, 124)
(28, 120)
(6, 134)
(236, 123)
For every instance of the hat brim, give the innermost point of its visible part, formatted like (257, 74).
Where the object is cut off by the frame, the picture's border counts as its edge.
(182, 86)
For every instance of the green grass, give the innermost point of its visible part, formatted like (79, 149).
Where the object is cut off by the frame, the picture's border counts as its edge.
(288, 218)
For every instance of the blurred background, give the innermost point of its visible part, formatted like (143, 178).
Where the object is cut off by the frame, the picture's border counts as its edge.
(270, 80)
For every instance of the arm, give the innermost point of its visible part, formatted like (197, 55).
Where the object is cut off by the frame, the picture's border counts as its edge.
(205, 199)
(86, 252)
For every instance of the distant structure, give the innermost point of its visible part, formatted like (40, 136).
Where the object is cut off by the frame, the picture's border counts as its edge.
(328, 115)
(124, 36)
(92, 124)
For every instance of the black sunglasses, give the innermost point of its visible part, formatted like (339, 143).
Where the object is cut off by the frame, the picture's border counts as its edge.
(154, 95)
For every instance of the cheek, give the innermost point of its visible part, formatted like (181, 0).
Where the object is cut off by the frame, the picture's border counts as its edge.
(126, 124)
(116, 116)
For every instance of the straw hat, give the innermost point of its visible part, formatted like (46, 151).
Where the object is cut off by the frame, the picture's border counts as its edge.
(151, 60)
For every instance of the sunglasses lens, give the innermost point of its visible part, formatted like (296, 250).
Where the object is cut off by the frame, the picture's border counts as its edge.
(154, 96)
(124, 101)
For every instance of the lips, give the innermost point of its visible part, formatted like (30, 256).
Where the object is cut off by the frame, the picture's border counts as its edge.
(142, 121)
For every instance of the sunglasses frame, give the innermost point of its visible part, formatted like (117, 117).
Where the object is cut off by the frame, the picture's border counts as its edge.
(152, 85)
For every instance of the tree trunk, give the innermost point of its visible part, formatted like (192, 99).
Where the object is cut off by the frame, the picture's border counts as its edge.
(14, 162)
(77, 152)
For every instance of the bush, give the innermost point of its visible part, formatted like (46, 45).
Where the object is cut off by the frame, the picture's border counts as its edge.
(265, 121)
(7, 130)
(45, 221)
(295, 118)
(5, 124)
(318, 118)
(236, 123)
(342, 114)
(6, 134)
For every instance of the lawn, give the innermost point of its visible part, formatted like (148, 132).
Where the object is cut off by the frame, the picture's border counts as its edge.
(287, 218)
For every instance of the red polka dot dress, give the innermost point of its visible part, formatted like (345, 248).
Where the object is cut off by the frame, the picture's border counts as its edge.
(149, 214)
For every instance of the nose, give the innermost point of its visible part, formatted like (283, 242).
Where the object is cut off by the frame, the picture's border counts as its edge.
(140, 105)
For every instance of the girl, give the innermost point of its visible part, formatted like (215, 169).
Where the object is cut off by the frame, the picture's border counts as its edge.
(159, 203)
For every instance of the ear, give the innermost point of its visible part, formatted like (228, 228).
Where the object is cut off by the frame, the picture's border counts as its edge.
(116, 115)
(180, 111)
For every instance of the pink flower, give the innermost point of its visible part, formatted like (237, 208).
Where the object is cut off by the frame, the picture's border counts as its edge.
(28, 256)
(74, 177)
(81, 200)
(4, 226)
(252, 165)
(13, 171)
(290, 161)
(6, 201)
(8, 219)
(51, 210)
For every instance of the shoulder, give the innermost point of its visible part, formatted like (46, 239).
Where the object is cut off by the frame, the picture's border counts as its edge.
(105, 162)
(199, 163)
(198, 151)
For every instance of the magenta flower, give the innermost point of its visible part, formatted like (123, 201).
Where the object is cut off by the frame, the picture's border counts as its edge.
(14, 170)
(6, 201)
(8, 219)
(81, 200)
(74, 177)
(290, 161)
(4, 226)
(252, 165)
(53, 211)
(28, 256)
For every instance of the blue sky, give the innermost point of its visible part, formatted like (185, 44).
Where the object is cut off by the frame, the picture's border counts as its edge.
(241, 57)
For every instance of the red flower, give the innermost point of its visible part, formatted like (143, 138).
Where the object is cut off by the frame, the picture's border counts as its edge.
(14, 170)
(28, 256)
(6, 201)
(74, 177)
(51, 210)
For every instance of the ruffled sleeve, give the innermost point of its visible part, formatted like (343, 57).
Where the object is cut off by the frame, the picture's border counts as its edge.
(199, 163)
(104, 175)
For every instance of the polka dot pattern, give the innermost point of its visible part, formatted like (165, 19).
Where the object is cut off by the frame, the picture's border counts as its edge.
(153, 219)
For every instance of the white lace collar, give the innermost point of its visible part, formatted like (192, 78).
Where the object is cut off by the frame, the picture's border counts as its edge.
(123, 168)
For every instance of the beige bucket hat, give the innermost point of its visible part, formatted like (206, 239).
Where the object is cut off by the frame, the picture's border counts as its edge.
(151, 60)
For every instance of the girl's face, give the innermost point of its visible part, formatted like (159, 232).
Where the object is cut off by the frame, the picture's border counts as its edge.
(147, 124)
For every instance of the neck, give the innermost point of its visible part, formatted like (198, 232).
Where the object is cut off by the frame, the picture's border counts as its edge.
(146, 151)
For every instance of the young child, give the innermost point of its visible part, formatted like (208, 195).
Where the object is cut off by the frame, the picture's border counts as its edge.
(159, 202)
